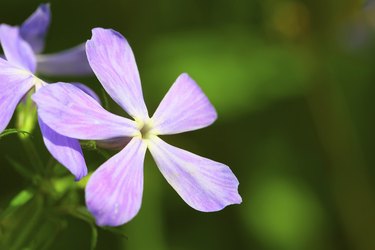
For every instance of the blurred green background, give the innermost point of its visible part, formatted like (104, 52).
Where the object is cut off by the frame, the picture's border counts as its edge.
(293, 83)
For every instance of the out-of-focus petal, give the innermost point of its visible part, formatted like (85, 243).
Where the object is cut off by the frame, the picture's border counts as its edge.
(73, 113)
(14, 84)
(68, 62)
(112, 61)
(88, 91)
(114, 143)
(17, 51)
(114, 191)
(204, 184)
(65, 150)
(35, 28)
(184, 108)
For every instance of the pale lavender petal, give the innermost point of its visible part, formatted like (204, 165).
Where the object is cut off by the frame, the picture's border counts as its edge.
(17, 51)
(35, 28)
(88, 91)
(112, 61)
(114, 191)
(65, 150)
(73, 113)
(14, 84)
(203, 184)
(184, 108)
(68, 62)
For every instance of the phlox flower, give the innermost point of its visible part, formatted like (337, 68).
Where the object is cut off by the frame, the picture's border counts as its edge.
(17, 77)
(114, 191)
(72, 61)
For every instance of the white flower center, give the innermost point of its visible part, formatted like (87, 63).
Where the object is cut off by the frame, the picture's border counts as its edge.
(38, 83)
(145, 129)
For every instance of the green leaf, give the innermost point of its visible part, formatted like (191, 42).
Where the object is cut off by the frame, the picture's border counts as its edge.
(20, 199)
(11, 131)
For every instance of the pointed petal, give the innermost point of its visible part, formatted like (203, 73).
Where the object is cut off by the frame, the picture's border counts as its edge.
(114, 191)
(14, 84)
(35, 28)
(203, 184)
(184, 108)
(68, 62)
(112, 60)
(73, 113)
(16, 50)
(65, 150)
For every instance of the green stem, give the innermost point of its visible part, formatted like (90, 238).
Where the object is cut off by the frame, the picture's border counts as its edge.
(29, 226)
(32, 154)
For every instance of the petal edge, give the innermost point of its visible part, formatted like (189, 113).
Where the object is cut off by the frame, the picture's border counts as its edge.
(203, 184)
(112, 60)
(114, 192)
(65, 150)
(34, 29)
(184, 108)
(73, 113)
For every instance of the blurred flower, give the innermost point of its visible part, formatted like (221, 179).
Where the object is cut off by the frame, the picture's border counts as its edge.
(114, 191)
(17, 77)
(69, 62)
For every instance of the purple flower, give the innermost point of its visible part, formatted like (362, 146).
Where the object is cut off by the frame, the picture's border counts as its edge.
(17, 77)
(69, 62)
(114, 191)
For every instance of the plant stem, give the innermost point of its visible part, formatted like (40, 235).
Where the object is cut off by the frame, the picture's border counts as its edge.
(32, 154)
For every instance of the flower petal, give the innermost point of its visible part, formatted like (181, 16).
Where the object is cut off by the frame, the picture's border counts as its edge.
(73, 113)
(35, 28)
(14, 84)
(203, 184)
(65, 150)
(114, 191)
(68, 62)
(184, 108)
(17, 51)
(112, 60)
(88, 91)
